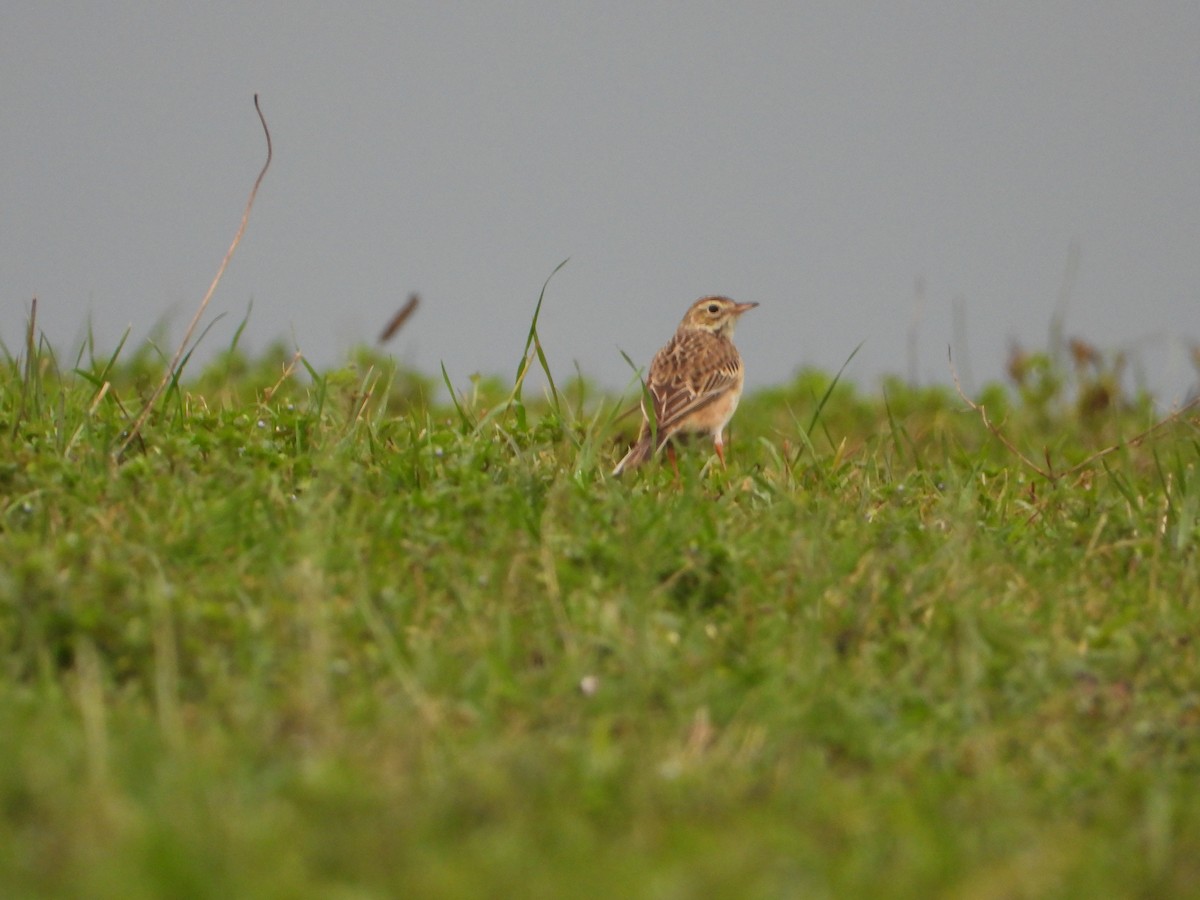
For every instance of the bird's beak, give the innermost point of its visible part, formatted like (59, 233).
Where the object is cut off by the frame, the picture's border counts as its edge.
(740, 308)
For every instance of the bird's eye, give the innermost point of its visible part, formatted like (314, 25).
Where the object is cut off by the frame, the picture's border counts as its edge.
(713, 308)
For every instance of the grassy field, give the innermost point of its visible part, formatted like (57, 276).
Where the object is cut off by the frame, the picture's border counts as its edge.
(321, 634)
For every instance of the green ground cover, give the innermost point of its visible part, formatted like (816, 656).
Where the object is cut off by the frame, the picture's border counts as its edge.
(324, 635)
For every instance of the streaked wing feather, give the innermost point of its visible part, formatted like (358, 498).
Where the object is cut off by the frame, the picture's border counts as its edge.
(688, 374)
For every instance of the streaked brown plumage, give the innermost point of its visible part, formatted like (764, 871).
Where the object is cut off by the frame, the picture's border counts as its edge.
(695, 381)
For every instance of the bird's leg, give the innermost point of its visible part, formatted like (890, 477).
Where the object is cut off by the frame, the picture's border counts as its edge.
(671, 457)
(719, 446)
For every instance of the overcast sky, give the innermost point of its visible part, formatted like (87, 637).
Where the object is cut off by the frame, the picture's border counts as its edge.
(820, 159)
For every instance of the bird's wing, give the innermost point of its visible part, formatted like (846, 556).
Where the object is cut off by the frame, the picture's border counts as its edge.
(689, 373)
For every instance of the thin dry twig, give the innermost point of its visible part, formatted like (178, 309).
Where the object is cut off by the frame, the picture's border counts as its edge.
(397, 321)
(1048, 473)
(136, 428)
(287, 372)
(999, 435)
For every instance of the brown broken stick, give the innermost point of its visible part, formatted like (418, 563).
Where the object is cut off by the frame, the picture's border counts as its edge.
(397, 321)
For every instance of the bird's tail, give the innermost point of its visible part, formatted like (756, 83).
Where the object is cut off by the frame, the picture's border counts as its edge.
(638, 454)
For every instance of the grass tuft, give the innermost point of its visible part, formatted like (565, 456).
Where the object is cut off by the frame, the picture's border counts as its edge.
(402, 645)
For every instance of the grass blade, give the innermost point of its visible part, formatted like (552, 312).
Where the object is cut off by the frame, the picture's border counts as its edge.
(531, 340)
(462, 415)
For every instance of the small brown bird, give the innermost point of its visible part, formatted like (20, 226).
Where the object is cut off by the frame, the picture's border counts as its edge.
(695, 381)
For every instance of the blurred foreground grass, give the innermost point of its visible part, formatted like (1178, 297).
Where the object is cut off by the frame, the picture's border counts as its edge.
(326, 637)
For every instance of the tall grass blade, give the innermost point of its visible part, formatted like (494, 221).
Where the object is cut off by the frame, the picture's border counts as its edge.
(237, 334)
(647, 400)
(829, 390)
(462, 415)
(320, 382)
(28, 387)
(820, 407)
(531, 340)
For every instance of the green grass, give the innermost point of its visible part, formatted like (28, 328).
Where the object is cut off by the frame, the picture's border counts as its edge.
(330, 638)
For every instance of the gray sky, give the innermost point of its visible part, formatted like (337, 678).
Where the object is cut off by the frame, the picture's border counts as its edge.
(819, 159)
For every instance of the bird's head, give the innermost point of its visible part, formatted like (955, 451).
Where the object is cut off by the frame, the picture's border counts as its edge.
(716, 314)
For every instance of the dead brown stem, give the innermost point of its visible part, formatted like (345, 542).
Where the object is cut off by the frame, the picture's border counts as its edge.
(287, 372)
(1048, 473)
(170, 372)
(397, 321)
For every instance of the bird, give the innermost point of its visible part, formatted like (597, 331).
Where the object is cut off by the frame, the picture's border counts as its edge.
(695, 381)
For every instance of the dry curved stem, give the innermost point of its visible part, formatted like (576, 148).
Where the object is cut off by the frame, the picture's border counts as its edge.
(136, 428)
(987, 423)
(397, 321)
(287, 373)
(1048, 472)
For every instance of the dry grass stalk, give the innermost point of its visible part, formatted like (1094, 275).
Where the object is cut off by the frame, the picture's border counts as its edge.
(1048, 471)
(170, 372)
